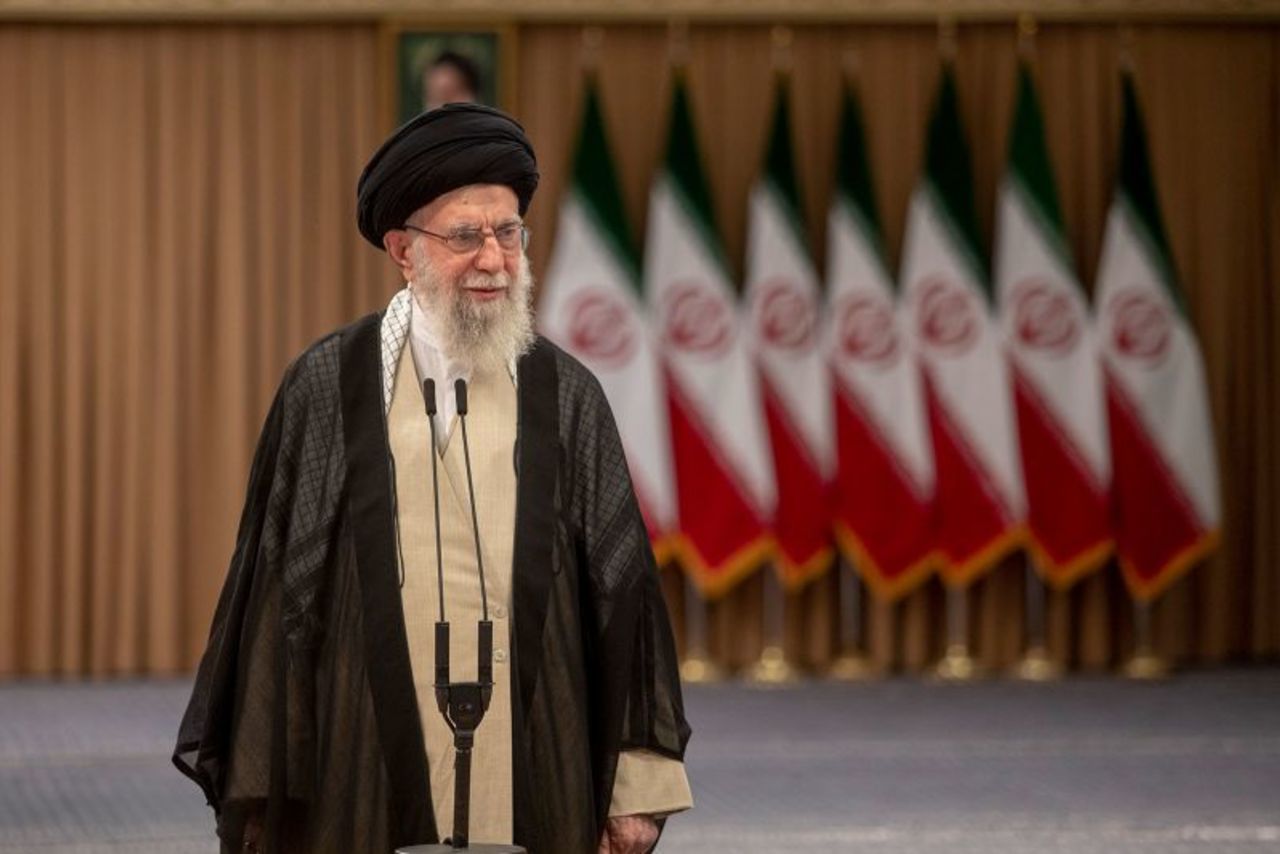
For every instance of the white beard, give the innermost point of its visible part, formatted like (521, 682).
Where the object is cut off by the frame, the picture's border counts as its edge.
(483, 336)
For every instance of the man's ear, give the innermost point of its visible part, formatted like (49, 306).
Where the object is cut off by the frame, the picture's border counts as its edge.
(397, 242)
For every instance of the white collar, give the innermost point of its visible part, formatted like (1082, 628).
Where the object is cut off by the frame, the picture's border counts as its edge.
(432, 363)
(404, 321)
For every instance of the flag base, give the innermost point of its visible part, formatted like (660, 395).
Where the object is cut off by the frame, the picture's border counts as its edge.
(852, 666)
(1036, 666)
(475, 849)
(957, 665)
(1146, 666)
(698, 669)
(772, 668)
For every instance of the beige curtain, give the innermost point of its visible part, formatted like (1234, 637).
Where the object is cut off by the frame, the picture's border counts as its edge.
(176, 221)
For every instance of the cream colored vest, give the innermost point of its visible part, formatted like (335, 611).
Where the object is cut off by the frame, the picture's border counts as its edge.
(491, 429)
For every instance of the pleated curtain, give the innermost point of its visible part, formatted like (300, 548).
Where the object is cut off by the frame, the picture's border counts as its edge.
(177, 221)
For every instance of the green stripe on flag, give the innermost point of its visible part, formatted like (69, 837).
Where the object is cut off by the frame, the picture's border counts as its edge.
(684, 167)
(779, 162)
(1137, 190)
(595, 183)
(853, 177)
(1030, 169)
(950, 177)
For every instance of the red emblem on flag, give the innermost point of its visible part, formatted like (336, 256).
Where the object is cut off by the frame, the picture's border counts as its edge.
(600, 327)
(1141, 327)
(697, 319)
(1044, 318)
(864, 324)
(785, 315)
(948, 318)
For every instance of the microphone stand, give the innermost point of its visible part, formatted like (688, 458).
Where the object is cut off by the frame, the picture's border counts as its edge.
(462, 704)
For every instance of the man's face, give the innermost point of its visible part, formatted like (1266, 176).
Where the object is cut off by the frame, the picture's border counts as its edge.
(479, 207)
(478, 301)
(444, 84)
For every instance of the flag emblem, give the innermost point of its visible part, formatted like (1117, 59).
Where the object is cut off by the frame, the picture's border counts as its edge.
(697, 319)
(1044, 318)
(949, 322)
(1141, 327)
(867, 329)
(601, 327)
(785, 315)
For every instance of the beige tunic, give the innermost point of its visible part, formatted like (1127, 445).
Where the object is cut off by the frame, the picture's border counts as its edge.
(646, 783)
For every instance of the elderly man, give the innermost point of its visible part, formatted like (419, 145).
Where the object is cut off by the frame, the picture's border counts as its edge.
(313, 724)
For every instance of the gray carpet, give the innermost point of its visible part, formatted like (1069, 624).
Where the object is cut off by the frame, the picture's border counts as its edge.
(1093, 765)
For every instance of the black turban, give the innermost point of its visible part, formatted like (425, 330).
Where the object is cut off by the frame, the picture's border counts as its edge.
(438, 151)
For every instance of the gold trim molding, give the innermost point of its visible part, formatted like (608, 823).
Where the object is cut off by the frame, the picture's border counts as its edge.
(642, 10)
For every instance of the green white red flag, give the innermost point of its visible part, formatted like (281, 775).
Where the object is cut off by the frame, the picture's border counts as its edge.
(885, 477)
(724, 481)
(1166, 475)
(1057, 374)
(980, 498)
(784, 298)
(591, 305)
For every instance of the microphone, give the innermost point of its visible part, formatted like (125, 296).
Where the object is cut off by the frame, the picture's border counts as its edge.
(460, 389)
(463, 704)
(485, 664)
(442, 625)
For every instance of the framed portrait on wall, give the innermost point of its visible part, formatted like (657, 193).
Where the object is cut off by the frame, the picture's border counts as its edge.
(428, 63)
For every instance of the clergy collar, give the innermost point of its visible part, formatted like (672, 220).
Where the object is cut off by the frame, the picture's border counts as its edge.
(400, 322)
(428, 356)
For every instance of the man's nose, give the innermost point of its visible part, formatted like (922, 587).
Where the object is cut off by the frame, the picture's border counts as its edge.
(489, 257)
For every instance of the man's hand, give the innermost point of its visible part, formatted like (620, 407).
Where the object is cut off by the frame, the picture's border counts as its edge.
(628, 834)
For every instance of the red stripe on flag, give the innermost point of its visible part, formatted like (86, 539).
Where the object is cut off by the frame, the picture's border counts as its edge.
(1158, 534)
(1069, 512)
(723, 538)
(884, 521)
(974, 526)
(802, 520)
(659, 539)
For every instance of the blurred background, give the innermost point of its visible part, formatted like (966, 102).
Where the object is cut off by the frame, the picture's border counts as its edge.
(177, 195)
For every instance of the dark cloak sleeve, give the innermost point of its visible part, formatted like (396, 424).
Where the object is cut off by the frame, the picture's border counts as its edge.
(603, 673)
(282, 722)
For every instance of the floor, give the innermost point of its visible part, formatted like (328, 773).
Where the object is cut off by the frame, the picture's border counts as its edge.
(1085, 765)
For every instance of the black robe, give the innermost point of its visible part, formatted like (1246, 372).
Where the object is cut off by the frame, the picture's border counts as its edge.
(303, 709)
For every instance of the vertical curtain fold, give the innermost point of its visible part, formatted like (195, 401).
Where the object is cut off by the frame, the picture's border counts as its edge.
(156, 273)
(176, 222)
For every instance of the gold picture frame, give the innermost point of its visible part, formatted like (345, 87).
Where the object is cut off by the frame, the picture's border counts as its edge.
(408, 47)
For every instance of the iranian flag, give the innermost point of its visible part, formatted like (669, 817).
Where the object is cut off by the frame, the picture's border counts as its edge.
(1166, 476)
(591, 306)
(885, 478)
(1057, 374)
(970, 403)
(724, 482)
(784, 298)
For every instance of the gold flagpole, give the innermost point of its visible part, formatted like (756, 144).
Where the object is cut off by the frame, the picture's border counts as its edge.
(697, 666)
(957, 664)
(1035, 664)
(1145, 664)
(772, 667)
(852, 665)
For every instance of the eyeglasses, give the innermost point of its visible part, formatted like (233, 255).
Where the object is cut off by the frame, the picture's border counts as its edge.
(511, 238)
